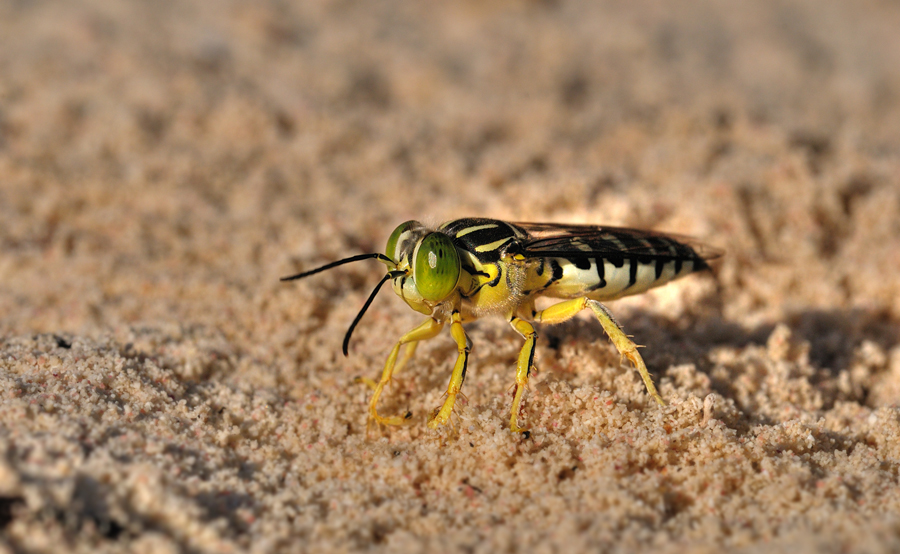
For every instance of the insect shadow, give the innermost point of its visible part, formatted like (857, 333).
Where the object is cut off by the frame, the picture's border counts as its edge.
(831, 339)
(832, 342)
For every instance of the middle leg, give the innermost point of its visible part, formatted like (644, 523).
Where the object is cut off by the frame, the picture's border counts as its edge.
(523, 368)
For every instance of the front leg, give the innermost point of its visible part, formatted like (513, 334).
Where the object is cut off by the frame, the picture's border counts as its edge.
(428, 329)
(442, 415)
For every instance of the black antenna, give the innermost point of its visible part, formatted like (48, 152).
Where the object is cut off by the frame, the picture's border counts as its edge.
(390, 275)
(357, 258)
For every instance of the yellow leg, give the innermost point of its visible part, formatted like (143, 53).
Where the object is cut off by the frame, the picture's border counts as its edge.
(428, 329)
(442, 415)
(626, 347)
(407, 355)
(523, 368)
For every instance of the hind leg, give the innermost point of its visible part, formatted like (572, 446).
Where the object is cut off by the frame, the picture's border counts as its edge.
(567, 309)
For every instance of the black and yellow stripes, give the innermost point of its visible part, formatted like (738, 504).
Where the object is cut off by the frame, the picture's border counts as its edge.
(605, 278)
(485, 239)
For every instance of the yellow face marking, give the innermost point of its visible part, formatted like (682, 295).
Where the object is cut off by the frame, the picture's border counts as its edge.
(474, 228)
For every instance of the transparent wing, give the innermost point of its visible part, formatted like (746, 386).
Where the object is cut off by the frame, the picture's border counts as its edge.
(554, 239)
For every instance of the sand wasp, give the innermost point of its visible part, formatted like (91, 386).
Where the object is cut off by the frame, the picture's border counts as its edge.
(471, 268)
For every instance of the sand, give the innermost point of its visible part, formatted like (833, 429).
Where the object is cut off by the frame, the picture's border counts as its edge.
(163, 164)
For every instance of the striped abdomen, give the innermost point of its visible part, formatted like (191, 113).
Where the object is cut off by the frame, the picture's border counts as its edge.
(609, 277)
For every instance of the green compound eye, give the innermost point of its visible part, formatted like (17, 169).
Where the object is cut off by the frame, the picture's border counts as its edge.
(391, 249)
(436, 267)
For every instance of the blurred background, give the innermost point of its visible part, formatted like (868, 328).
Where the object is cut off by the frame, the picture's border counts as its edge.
(163, 163)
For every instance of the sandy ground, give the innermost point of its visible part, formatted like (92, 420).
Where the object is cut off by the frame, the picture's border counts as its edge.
(162, 164)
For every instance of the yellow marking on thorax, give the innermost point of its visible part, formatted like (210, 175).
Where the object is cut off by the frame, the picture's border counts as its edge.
(492, 245)
(474, 228)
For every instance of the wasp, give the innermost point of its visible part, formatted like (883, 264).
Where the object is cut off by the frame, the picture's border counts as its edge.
(470, 268)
